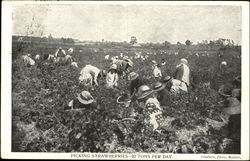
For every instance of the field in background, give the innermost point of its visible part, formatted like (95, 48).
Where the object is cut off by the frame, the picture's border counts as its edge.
(40, 93)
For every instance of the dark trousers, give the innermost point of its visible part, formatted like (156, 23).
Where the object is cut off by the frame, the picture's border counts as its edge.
(234, 126)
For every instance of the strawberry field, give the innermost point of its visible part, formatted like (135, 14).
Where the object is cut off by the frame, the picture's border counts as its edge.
(193, 122)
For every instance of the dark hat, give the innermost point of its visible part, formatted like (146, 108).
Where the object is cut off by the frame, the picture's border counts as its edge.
(143, 91)
(132, 76)
(166, 79)
(158, 86)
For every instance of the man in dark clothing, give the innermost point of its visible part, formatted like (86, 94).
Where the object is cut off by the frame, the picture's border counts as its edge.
(135, 83)
(233, 110)
(163, 95)
(123, 66)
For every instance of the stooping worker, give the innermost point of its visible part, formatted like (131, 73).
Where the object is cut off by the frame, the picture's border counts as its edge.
(37, 57)
(112, 77)
(90, 75)
(84, 100)
(49, 58)
(60, 55)
(151, 107)
(174, 85)
(68, 59)
(74, 65)
(28, 60)
(233, 108)
(123, 66)
(157, 71)
(182, 72)
(163, 95)
(135, 83)
(232, 89)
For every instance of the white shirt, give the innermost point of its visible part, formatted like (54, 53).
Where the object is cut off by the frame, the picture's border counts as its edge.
(28, 60)
(157, 72)
(186, 74)
(112, 79)
(106, 57)
(68, 57)
(74, 64)
(87, 70)
(178, 85)
(37, 57)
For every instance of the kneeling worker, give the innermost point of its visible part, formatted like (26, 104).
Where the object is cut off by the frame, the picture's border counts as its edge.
(83, 101)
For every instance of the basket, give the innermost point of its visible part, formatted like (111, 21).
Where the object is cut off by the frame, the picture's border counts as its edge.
(123, 100)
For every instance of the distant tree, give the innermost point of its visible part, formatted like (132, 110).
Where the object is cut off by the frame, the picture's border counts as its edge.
(188, 42)
(166, 43)
(35, 28)
(178, 43)
(211, 43)
(220, 42)
(70, 41)
(133, 40)
(204, 42)
(50, 36)
(63, 40)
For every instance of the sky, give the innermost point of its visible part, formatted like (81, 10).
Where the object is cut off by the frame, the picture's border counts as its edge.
(149, 23)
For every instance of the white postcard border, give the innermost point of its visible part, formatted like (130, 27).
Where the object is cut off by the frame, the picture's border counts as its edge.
(6, 85)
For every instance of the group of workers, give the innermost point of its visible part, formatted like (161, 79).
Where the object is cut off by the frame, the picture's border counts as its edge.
(60, 57)
(149, 98)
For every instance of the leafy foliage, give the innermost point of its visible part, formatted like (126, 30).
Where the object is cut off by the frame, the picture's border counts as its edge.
(41, 92)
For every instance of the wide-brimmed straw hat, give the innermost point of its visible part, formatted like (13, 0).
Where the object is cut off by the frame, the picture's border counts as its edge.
(143, 91)
(132, 76)
(158, 86)
(85, 98)
(153, 61)
(183, 60)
